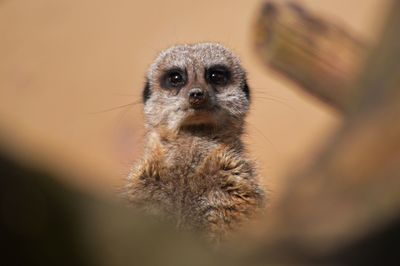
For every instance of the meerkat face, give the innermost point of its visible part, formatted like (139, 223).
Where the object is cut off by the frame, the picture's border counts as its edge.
(191, 85)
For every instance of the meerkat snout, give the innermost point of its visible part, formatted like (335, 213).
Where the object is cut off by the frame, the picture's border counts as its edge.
(198, 98)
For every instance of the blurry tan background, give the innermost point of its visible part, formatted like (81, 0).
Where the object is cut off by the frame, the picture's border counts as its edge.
(63, 61)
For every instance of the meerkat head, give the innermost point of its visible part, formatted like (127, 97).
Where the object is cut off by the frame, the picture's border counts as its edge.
(196, 86)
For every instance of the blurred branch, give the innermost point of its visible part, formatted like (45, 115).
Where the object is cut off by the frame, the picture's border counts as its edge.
(321, 56)
(350, 196)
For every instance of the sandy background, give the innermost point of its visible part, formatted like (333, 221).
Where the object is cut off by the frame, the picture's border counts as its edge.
(62, 61)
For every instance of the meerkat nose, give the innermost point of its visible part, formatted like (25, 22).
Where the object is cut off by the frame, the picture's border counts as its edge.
(197, 97)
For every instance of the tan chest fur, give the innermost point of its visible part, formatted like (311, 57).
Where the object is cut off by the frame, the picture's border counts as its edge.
(198, 184)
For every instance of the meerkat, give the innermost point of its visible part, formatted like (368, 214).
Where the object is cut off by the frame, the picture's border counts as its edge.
(194, 171)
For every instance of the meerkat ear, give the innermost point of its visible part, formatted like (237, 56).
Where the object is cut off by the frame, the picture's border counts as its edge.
(146, 92)
(245, 88)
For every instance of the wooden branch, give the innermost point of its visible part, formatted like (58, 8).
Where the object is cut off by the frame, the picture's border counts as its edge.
(341, 208)
(322, 57)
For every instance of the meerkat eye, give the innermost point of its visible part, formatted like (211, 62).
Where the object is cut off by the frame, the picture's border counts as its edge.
(174, 78)
(218, 75)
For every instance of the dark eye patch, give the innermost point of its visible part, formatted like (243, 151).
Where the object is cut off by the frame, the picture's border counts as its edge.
(245, 89)
(146, 92)
(218, 75)
(174, 78)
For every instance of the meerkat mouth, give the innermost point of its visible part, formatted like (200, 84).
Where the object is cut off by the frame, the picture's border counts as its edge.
(200, 116)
